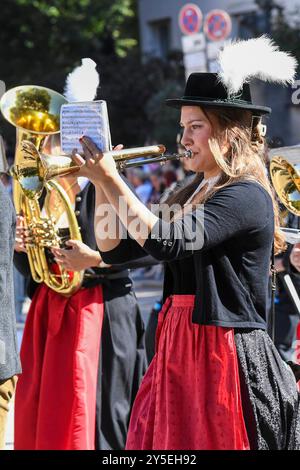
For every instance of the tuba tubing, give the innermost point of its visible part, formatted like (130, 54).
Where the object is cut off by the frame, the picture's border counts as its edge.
(285, 175)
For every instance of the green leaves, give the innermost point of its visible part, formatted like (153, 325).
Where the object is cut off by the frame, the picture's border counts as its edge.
(44, 31)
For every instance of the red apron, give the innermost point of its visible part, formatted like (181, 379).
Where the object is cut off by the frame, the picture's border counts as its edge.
(190, 395)
(55, 402)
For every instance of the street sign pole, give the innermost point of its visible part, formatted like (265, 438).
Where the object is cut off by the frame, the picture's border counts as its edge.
(200, 49)
(193, 42)
(217, 27)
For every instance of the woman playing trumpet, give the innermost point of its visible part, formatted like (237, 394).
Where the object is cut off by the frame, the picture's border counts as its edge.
(216, 380)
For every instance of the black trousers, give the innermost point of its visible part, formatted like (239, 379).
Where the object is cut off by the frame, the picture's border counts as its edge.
(122, 364)
(286, 321)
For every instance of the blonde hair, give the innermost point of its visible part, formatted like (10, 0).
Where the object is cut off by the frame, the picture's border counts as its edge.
(243, 159)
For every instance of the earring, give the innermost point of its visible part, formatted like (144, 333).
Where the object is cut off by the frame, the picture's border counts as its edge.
(262, 128)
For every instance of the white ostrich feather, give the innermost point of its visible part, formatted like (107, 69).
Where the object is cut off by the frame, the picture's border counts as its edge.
(261, 58)
(82, 83)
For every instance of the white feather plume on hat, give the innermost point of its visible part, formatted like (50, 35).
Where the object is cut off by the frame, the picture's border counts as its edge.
(241, 61)
(82, 83)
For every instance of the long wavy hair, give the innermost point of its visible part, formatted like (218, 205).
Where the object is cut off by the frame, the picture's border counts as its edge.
(244, 159)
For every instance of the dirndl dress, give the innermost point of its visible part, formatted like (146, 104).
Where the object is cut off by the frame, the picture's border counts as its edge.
(213, 388)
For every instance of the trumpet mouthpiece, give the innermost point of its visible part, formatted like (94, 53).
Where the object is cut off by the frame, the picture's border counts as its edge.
(188, 154)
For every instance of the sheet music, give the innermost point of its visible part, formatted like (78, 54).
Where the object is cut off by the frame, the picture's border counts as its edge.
(292, 235)
(84, 118)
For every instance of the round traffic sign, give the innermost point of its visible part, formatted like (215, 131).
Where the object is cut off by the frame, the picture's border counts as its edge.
(190, 19)
(217, 25)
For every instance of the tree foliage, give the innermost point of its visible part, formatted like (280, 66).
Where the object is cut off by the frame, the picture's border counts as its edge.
(281, 24)
(44, 37)
(287, 34)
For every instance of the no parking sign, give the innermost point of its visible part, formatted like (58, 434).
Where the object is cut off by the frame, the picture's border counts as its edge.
(190, 19)
(217, 25)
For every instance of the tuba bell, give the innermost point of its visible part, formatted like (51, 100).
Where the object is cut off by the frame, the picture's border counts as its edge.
(34, 111)
(285, 175)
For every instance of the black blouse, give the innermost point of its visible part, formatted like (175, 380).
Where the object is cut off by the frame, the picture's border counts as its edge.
(226, 265)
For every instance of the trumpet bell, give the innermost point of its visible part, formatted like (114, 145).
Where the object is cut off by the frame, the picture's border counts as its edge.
(32, 108)
(285, 175)
(36, 169)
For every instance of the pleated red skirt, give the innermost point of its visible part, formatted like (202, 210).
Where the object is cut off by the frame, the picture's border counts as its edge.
(297, 349)
(296, 357)
(55, 403)
(190, 395)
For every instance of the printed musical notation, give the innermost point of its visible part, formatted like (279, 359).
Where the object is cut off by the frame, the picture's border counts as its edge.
(88, 118)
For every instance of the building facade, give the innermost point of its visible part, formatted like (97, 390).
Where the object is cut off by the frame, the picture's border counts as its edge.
(160, 34)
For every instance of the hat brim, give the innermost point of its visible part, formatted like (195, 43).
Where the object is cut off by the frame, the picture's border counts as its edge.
(179, 102)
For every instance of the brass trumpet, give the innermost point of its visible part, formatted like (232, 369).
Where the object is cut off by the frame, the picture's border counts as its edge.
(127, 158)
(38, 168)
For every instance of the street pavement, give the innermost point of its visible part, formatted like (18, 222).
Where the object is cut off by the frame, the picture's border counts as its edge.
(148, 289)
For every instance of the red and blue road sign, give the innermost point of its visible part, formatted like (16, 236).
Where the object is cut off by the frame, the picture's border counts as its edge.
(217, 25)
(190, 19)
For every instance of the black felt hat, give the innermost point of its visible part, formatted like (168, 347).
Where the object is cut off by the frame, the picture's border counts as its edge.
(205, 89)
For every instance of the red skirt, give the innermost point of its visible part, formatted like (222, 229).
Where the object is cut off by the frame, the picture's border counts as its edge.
(55, 403)
(190, 395)
(297, 352)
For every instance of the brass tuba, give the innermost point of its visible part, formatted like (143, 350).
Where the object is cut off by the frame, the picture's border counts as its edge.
(34, 111)
(285, 175)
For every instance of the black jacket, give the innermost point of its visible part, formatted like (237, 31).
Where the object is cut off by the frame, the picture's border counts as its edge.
(231, 266)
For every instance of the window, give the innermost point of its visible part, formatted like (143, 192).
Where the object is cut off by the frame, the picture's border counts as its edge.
(160, 38)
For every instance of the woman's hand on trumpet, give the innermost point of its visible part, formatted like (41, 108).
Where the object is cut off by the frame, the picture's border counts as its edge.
(78, 257)
(95, 165)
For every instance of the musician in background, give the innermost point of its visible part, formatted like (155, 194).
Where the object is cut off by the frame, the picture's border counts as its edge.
(286, 313)
(9, 357)
(83, 356)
